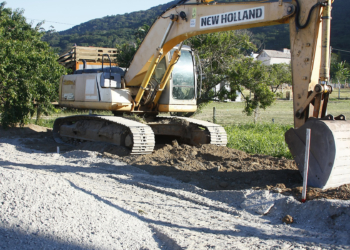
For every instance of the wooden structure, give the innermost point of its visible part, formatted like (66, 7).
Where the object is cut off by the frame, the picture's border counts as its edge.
(73, 59)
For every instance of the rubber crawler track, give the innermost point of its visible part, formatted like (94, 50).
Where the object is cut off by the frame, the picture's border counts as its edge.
(218, 134)
(142, 134)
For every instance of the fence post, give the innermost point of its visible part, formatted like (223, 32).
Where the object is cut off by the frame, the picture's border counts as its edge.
(338, 89)
(214, 115)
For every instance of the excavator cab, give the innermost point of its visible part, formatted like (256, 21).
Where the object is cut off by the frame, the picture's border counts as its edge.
(182, 86)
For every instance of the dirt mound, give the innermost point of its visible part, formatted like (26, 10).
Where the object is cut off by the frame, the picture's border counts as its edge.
(213, 167)
(219, 168)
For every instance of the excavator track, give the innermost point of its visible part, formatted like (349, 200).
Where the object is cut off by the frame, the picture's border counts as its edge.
(218, 134)
(116, 130)
(192, 131)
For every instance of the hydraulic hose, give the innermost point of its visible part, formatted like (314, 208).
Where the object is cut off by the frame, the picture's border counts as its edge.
(299, 26)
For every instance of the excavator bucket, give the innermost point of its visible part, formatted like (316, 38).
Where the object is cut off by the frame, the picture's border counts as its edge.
(329, 163)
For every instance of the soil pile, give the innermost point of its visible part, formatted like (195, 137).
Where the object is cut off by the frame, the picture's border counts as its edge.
(213, 167)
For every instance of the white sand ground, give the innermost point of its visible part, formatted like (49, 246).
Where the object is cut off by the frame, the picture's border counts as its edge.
(80, 200)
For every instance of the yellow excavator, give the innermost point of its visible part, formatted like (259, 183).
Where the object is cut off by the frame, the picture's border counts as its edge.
(162, 78)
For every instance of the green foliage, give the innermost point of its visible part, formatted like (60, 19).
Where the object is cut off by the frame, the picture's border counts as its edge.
(141, 33)
(108, 31)
(125, 54)
(28, 71)
(266, 139)
(224, 61)
(280, 73)
(279, 95)
(217, 51)
(48, 123)
(252, 75)
(127, 51)
(340, 71)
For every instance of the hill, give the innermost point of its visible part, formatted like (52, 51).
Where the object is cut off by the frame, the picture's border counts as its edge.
(107, 31)
(117, 29)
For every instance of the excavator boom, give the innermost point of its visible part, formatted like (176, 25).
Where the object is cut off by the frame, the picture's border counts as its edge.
(193, 18)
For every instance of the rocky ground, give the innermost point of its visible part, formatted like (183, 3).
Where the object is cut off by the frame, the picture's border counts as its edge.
(96, 196)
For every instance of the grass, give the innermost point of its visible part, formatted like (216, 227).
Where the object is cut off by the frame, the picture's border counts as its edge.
(266, 139)
(48, 123)
(337, 107)
(344, 93)
(281, 111)
(232, 113)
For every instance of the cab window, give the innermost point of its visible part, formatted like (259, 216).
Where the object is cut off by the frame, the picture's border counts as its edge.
(183, 77)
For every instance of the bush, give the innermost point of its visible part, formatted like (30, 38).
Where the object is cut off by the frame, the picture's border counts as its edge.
(29, 72)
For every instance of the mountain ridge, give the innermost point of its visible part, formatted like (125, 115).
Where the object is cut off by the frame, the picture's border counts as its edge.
(118, 29)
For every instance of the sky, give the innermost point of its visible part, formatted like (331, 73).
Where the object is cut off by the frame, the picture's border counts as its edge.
(64, 14)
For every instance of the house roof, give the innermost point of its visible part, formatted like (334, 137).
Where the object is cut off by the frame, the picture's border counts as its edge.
(275, 54)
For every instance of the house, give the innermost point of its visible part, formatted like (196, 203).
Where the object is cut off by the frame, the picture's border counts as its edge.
(254, 55)
(226, 85)
(269, 57)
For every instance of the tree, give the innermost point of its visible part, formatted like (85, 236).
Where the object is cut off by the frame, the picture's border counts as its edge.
(125, 54)
(225, 61)
(280, 73)
(141, 32)
(340, 70)
(29, 72)
(127, 51)
(252, 75)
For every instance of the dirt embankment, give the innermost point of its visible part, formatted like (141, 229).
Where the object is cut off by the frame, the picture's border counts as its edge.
(208, 166)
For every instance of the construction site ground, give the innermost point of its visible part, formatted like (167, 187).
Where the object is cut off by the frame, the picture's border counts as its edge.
(207, 166)
(247, 198)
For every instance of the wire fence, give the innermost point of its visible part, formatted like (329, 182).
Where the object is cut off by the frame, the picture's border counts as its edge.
(341, 90)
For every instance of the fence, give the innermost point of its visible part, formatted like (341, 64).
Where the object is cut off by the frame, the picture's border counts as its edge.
(341, 90)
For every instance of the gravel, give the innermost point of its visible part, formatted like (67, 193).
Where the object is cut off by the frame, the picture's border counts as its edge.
(82, 200)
